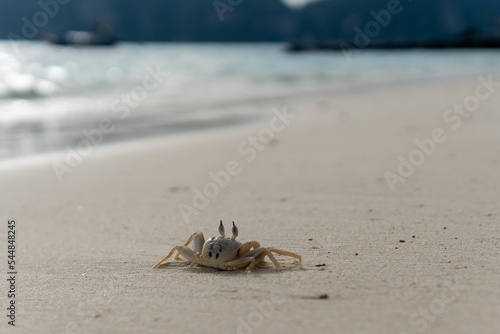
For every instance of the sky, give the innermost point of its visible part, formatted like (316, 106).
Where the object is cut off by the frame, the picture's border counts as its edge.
(297, 3)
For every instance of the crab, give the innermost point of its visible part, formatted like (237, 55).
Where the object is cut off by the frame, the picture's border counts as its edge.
(226, 253)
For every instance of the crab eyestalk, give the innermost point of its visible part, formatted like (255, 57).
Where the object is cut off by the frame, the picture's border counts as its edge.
(235, 231)
(221, 230)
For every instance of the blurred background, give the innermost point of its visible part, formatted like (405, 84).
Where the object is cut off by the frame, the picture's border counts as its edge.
(257, 20)
(160, 67)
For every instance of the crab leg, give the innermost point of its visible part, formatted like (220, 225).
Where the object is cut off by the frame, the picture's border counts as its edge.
(186, 252)
(165, 258)
(198, 242)
(248, 262)
(272, 258)
(286, 253)
(186, 243)
(247, 246)
(258, 254)
(253, 244)
(250, 266)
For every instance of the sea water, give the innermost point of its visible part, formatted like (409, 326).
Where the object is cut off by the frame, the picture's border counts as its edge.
(50, 94)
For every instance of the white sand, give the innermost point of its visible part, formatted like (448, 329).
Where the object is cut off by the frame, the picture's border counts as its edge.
(86, 245)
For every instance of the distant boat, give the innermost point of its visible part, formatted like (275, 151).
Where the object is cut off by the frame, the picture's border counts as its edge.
(100, 34)
(467, 40)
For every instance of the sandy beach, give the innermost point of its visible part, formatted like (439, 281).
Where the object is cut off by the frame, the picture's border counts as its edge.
(390, 197)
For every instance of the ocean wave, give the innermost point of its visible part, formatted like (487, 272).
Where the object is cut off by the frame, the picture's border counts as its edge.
(43, 89)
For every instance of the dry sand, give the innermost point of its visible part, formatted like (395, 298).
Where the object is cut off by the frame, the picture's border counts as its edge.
(86, 245)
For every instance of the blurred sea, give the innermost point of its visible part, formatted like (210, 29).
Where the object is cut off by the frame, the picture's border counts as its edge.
(50, 94)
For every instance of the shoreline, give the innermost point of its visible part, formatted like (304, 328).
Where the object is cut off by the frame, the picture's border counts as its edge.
(248, 117)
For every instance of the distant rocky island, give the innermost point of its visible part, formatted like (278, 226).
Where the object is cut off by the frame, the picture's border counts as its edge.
(397, 23)
(466, 40)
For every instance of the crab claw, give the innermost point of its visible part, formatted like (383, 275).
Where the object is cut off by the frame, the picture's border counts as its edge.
(235, 231)
(221, 230)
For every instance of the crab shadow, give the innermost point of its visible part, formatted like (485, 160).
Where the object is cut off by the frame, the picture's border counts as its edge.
(263, 269)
